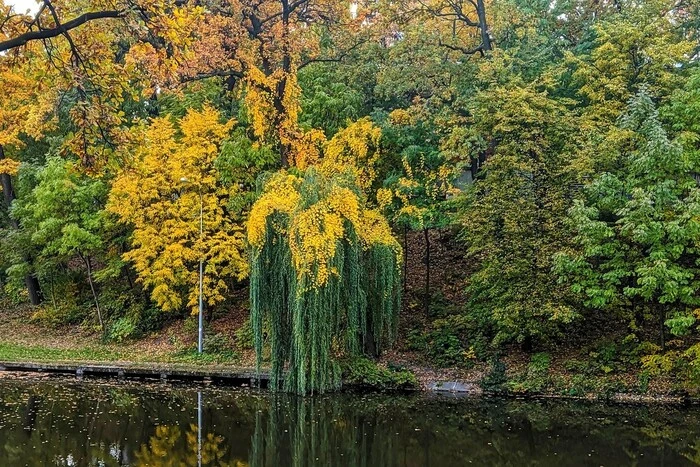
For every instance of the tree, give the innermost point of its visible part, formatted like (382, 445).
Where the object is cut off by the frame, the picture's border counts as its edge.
(325, 275)
(172, 180)
(415, 197)
(64, 215)
(8, 169)
(512, 215)
(637, 230)
(463, 17)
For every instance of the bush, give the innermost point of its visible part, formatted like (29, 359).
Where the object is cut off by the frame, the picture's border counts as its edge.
(363, 372)
(62, 314)
(443, 342)
(245, 337)
(496, 378)
(123, 328)
(138, 321)
(218, 344)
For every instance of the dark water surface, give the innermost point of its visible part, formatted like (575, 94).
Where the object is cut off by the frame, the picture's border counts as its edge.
(67, 422)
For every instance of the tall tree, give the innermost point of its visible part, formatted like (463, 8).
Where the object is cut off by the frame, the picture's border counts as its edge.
(64, 216)
(512, 215)
(170, 190)
(9, 168)
(638, 229)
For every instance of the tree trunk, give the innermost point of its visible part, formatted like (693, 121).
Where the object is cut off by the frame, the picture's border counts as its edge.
(426, 235)
(405, 257)
(486, 44)
(662, 326)
(30, 280)
(86, 260)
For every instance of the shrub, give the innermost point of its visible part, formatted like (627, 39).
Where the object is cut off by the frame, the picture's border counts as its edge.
(443, 343)
(496, 378)
(363, 372)
(245, 337)
(218, 344)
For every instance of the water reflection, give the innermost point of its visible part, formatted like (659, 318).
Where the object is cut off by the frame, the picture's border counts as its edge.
(65, 423)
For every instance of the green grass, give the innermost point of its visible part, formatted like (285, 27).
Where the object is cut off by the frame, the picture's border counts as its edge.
(21, 353)
(14, 352)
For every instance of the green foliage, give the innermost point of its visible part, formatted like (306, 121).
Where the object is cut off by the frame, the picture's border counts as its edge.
(496, 379)
(681, 324)
(536, 378)
(327, 103)
(363, 372)
(66, 312)
(444, 342)
(577, 200)
(239, 163)
(219, 344)
(123, 328)
(681, 366)
(245, 336)
(637, 230)
(64, 211)
(137, 321)
(512, 216)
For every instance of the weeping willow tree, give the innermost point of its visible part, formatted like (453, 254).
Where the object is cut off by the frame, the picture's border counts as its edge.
(325, 277)
(323, 432)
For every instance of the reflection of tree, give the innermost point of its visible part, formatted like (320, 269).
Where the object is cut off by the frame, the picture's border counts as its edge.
(169, 448)
(91, 423)
(693, 452)
(323, 432)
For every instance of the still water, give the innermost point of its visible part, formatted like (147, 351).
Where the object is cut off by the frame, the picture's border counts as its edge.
(67, 422)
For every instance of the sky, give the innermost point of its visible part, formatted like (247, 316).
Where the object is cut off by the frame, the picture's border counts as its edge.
(23, 5)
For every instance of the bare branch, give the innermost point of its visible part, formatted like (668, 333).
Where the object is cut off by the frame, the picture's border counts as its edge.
(60, 29)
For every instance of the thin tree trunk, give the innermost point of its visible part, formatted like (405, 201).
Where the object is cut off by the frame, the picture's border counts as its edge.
(662, 326)
(86, 260)
(30, 280)
(426, 235)
(405, 257)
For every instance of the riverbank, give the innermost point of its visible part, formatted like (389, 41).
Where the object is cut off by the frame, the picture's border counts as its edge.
(172, 350)
(248, 377)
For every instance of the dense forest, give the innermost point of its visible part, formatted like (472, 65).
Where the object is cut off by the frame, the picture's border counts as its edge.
(307, 153)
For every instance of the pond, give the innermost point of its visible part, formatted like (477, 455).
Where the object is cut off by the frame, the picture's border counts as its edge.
(69, 422)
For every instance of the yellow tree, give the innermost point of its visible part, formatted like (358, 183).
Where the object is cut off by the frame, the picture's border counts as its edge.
(170, 181)
(80, 57)
(107, 52)
(261, 45)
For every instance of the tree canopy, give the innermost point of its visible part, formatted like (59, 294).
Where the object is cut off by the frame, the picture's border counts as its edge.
(314, 154)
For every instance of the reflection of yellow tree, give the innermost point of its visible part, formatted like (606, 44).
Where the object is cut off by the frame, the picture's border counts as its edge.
(169, 448)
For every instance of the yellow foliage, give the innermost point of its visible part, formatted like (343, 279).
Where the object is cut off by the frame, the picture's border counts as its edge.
(355, 147)
(384, 197)
(9, 166)
(315, 230)
(166, 448)
(27, 99)
(400, 117)
(281, 195)
(307, 148)
(172, 171)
